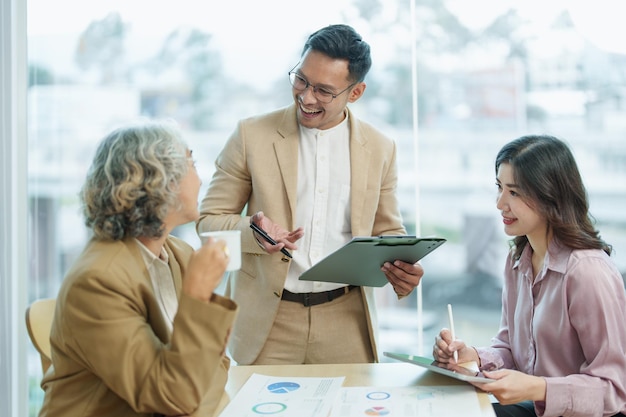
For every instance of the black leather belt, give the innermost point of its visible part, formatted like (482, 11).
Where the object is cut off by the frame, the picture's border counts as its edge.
(308, 299)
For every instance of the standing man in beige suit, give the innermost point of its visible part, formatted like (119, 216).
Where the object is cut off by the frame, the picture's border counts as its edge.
(313, 176)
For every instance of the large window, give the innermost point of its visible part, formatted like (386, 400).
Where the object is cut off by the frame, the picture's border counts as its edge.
(481, 80)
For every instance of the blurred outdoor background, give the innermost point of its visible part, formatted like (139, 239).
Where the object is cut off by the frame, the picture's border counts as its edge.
(451, 82)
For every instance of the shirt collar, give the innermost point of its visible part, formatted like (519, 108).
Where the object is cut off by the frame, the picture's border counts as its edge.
(148, 257)
(556, 257)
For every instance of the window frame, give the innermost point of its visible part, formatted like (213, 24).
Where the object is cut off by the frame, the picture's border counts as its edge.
(13, 206)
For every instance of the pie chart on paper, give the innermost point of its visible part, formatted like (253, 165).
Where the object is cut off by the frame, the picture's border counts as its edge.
(282, 387)
(378, 395)
(269, 408)
(377, 411)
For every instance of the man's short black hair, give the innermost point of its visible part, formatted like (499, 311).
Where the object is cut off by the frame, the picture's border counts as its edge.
(342, 42)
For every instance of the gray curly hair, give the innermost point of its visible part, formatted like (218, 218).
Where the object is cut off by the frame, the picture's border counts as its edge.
(133, 180)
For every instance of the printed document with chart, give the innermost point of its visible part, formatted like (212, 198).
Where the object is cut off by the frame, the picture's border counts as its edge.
(284, 397)
(422, 401)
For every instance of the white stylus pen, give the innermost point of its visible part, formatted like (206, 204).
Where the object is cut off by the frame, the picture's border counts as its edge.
(452, 333)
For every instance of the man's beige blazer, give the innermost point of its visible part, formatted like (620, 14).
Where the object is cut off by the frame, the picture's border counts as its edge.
(258, 167)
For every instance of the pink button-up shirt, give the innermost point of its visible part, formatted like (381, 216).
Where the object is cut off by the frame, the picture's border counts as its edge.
(567, 325)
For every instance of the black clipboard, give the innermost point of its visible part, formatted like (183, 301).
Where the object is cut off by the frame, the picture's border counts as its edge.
(358, 262)
(454, 371)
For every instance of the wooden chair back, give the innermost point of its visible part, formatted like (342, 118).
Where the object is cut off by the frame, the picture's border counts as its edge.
(38, 323)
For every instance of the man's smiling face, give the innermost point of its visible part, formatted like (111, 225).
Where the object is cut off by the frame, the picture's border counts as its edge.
(324, 72)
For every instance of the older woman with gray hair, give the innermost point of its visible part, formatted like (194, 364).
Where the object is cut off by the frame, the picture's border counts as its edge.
(138, 329)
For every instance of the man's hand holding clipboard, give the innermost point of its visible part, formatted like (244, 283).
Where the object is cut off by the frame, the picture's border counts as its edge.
(369, 261)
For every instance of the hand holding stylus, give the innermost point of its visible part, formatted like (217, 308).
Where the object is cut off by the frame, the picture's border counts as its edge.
(272, 237)
(268, 239)
(442, 351)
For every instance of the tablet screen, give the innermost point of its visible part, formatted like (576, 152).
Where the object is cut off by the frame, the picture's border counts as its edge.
(451, 370)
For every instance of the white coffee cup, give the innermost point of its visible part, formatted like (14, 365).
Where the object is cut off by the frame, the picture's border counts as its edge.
(233, 243)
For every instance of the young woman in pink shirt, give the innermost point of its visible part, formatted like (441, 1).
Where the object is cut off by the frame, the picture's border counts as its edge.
(561, 347)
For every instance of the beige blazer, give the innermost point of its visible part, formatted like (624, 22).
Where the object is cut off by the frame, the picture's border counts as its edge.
(258, 167)
(112, 352)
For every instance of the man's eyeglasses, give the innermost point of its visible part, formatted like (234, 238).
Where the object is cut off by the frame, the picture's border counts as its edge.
(322, 94)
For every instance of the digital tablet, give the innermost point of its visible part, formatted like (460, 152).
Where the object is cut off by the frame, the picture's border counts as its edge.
(454, 371)
(358, 262)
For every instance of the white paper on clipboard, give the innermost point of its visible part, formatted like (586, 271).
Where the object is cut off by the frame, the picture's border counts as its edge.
(358, 262)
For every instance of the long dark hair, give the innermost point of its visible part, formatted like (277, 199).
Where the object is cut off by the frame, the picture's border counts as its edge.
(546, 173)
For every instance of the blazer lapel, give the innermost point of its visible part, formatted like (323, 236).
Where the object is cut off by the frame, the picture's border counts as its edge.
(176, 270)
(359, 173)
(286, 149)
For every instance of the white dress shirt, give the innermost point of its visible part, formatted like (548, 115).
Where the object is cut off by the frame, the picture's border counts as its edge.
(323, 206)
